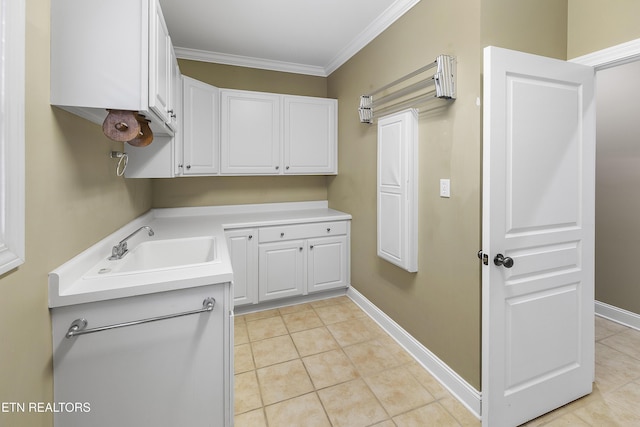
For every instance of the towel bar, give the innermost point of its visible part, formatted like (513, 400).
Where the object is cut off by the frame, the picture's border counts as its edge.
(78, 326)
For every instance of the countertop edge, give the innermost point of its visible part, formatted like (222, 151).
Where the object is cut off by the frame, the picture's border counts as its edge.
(222, 218)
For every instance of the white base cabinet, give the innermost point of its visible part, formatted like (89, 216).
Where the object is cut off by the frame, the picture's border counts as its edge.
(282, 261)
(165, 373)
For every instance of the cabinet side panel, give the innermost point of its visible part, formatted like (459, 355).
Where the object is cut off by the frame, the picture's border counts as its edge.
(94, 63)
(164, 373)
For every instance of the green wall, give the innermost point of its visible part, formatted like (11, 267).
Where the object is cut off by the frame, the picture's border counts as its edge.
(441, 300)
(598, 24)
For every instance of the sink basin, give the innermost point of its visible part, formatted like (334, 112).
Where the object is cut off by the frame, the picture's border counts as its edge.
(156, 255)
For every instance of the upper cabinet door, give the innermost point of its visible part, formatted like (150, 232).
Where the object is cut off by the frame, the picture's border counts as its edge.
(200, 128)
(160, 67)
(310, 135)
(250, 133)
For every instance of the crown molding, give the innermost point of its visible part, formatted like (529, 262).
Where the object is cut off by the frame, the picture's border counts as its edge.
(250, 62)
(373, 30)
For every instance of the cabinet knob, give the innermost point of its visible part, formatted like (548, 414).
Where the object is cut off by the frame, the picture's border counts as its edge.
(188, 166)
(277, 167)
(180, 165)
(287, 167)
(250, 236)
(300, 248)
(311, 247)
(328, 230)
(281, 234)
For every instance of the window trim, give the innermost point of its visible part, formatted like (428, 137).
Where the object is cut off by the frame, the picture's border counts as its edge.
(12, 134)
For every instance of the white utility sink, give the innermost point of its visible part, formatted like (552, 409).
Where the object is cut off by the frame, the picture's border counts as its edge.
(157, 255)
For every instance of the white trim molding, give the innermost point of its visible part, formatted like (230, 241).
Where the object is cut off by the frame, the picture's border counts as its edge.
(618, 315)
(12, 140)
(612, 56)
(249, 62)
(457, 386)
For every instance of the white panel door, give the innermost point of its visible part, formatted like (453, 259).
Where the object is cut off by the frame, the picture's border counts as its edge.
(327, 263)
(160, 84)
(538, 235)
(310, 135)
(398, 189)
(250, 132)
(281, 267)
(201, 138)
(243, 251)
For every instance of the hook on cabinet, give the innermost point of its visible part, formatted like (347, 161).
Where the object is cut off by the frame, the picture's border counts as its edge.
(122, 162)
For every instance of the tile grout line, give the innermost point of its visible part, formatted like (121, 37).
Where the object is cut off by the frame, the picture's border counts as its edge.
(377, 336)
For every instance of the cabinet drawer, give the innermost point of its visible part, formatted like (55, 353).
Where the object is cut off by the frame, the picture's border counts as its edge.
(302, 231)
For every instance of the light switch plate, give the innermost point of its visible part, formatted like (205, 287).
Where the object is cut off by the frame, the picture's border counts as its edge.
(445, 188)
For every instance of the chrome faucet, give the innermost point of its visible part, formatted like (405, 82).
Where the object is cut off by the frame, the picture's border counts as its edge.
(120, 249)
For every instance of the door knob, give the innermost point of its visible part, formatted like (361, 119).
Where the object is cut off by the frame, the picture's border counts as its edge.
(501, 260)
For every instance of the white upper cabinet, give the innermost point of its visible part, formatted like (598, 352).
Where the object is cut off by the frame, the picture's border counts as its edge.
(250, 132)
(163, 158)
(201, 137)
(112, 55)
(310, 135)
(160, 52)
(272, 134)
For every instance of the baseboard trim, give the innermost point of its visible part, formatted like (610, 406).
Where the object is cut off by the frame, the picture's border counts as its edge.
(457, 386)
(618, 315)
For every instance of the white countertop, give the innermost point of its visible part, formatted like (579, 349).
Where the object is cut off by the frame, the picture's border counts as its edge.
(67, 286)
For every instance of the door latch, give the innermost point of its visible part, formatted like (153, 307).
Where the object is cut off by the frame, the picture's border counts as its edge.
(483, 257)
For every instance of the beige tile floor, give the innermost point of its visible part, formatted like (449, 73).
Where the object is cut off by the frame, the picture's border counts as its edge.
(326, 363)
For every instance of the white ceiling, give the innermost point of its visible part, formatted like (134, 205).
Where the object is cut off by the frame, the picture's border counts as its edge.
(301, 36)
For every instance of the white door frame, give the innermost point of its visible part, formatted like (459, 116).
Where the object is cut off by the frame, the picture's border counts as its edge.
(608, 58)
(612, 56)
